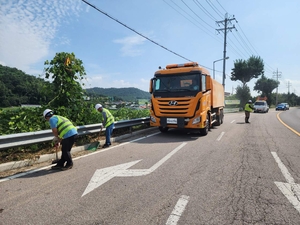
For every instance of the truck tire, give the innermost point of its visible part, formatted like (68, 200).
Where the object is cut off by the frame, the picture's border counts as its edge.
(219, 118)
(163, 129)
(204, 131)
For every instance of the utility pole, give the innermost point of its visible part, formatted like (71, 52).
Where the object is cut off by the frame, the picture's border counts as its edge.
(288, 86)
(225, 29)
(277, 75)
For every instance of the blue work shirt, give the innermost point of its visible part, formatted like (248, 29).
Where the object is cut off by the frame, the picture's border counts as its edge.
(53, 124)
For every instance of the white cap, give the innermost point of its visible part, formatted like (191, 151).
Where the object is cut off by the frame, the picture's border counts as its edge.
(97, 106)
(46, 112)
(250, 101)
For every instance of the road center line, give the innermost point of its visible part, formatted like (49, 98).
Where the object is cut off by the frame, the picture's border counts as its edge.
(178, 210)
(278, 117)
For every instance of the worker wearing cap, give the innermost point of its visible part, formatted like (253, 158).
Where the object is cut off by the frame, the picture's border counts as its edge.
(65, 133)
(108, 123)
(248, 109)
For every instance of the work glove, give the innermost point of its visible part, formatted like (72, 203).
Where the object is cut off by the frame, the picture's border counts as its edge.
(56, 140)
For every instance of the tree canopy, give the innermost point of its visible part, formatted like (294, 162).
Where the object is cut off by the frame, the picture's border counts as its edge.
(67, 73)
(265, 86)
(245, 70)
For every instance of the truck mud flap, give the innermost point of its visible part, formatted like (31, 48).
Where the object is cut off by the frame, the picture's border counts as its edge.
(180, 122)
(163, 121)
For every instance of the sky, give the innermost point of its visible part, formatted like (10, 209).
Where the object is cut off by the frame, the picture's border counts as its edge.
(122, 43)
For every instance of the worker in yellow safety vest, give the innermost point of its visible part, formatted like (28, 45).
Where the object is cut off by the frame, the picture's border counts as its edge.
(65, 133)
(248, 108)
(108, 123)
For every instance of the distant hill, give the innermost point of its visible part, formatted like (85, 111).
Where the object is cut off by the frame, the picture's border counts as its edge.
(17, 88)
(126, 94)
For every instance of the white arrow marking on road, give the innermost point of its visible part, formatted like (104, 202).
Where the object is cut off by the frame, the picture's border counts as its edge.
(291, 190)
(101, 176)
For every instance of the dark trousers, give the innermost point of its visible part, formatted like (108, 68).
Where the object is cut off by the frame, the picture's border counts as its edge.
(247, 116)
(66, 146)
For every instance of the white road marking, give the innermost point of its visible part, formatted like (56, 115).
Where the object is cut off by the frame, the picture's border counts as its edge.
(101, 176)
(83, 156)
(291, 190)
(178, 210)
(232, 121)
(283, 169)
(220, 136)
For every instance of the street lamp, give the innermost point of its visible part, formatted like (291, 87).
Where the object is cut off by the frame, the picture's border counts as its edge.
(217, 61)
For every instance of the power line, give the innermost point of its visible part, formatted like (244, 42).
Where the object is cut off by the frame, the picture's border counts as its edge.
(244, 44)
(246, 38)
(204, 10)
(188, 18)
(197, 15)
(214, 8)
(194, 22)
(240, 53)
(221, 6)
(136, 31)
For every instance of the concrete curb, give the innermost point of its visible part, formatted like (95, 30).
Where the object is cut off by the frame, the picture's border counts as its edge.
(49, 157)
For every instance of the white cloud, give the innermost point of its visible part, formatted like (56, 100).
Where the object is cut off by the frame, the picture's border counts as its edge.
(130, 45)
(27, 29)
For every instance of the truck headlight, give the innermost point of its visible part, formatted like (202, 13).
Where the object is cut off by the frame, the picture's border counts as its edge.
(197, 120)
(152, 118)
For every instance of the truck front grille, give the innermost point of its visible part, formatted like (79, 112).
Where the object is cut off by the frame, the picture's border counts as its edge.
(173, 108)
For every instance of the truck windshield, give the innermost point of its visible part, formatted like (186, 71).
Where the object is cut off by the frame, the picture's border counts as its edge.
(177, 83)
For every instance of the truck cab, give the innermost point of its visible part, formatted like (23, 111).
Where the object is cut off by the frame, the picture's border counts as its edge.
(182, 98)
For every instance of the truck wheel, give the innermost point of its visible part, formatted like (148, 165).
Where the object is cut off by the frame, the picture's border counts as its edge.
(204, 131)
(163, 129)
(219, 118)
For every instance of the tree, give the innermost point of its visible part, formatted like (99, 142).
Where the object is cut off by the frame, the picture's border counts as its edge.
(67, 72)
(265, 86)
(243, 94)
(244, 71)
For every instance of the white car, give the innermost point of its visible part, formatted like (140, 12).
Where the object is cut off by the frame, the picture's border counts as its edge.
(261, 106)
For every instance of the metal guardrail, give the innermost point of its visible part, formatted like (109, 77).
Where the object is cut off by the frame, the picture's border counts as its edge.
(27, 138)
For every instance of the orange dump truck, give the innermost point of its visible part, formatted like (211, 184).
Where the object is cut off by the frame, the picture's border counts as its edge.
(185, 96)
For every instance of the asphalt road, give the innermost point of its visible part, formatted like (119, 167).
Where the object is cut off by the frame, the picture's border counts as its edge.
(238, 174)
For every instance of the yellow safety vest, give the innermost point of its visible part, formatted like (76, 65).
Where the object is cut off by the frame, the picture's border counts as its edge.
(63, 126)
(248, 108)
(109, 118)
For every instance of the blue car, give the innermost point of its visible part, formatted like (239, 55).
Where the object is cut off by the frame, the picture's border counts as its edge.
(281, 107)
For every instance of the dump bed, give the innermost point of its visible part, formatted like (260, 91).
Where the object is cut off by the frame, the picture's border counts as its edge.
(217, 93)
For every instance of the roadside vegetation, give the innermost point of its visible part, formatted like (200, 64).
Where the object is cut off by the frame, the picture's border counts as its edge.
(61, 89)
